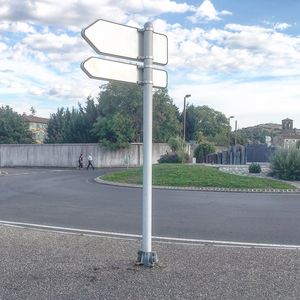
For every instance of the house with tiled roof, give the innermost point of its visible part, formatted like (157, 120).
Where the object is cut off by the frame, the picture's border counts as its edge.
(38, 127)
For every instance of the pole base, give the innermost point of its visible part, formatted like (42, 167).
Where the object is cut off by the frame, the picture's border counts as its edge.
(148, 259)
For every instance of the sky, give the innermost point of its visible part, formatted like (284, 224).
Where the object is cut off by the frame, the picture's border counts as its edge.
(239, 57)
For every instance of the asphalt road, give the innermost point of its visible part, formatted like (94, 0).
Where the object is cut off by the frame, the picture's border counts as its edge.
(71, 198)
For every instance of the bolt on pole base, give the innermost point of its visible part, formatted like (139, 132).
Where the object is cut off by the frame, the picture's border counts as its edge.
(148, 259)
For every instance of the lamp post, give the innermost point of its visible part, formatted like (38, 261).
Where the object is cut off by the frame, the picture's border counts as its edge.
(184, 114)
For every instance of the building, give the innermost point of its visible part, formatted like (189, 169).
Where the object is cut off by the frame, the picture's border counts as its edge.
(289, 136)
(38, 127)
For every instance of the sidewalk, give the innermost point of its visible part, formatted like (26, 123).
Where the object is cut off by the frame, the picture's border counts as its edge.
(48, 265)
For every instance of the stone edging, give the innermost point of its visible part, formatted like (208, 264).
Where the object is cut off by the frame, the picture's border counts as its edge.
(206, 189)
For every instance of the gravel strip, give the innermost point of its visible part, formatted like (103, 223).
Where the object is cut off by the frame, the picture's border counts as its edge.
(47, 265)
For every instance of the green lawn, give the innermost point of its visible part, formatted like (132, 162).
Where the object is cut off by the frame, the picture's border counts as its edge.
(194, 176)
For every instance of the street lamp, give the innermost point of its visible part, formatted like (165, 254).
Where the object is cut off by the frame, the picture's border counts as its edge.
(184, 114)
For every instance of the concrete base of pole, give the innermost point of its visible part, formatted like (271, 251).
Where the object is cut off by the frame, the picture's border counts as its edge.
(148, 259)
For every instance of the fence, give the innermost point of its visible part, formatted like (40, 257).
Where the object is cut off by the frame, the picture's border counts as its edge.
(259, 152)
(235, 155)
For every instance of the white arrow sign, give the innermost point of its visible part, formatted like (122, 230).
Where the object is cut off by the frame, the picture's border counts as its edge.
(124, 41)
(103, 69)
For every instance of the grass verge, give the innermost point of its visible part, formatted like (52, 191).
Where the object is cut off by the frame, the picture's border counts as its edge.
(195, 176)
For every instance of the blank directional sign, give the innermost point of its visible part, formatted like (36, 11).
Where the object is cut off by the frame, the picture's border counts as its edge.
(124, 41)
(103, 69)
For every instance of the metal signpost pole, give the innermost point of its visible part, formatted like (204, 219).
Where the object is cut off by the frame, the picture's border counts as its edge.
(145, 255)
(104, 37)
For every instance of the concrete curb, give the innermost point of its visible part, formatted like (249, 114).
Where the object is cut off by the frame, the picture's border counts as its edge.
(204, 189)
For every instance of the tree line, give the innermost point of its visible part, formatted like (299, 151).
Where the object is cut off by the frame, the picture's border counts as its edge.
(115, 119)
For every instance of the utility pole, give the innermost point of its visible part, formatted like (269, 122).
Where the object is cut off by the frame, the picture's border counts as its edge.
(229, 131)
(235, 138)
(184, 115)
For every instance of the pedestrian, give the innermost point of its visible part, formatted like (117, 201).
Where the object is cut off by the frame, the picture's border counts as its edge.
(80, 161)
(90, 160)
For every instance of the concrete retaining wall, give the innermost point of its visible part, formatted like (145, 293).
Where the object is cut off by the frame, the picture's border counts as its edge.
(66, 155)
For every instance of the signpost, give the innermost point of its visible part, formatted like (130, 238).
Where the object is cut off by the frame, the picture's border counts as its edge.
(145, 48)
(103, 69)
(124, 41)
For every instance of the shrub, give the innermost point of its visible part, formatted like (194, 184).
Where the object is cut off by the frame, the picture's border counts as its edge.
(170, 158)
(285, 164)
(202, 150)
(254, 168)
(178, 155)
(176, 144)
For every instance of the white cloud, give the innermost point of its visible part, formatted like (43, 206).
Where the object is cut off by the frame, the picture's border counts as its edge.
(154, 7)
(51, 42)
(77, 14)
(16, 27)
(207, 12)
(3, 47)
(249, 102)
(251, 50)
(41, 61)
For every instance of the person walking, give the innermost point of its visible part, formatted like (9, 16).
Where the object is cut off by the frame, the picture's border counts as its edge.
(80, 161)
(90, 160)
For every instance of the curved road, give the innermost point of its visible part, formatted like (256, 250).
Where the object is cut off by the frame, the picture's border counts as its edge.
(71, 198)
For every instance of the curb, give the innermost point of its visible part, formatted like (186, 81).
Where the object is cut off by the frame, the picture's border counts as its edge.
(204, 189)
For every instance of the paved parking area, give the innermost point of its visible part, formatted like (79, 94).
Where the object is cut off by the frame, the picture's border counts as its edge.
(48, 265)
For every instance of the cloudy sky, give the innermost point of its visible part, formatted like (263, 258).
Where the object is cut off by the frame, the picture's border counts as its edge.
(238, 57)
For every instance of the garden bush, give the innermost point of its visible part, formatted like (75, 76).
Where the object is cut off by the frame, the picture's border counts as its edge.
(178, 154)
(285, 164)
(172, 157)
(177, 144)
(202, 150)
(254, 168)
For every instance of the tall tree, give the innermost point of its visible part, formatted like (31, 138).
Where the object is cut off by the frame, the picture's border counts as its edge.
(166, 116)
(116, 119)
(56, 127)
(211, 123)
(127, 101)
(13, 129)
(75, 125)
(33, 111)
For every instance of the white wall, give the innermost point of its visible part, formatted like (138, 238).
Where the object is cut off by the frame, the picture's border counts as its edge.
(66, 155)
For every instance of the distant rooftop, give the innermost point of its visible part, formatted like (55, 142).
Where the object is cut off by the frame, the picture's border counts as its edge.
(34, 119)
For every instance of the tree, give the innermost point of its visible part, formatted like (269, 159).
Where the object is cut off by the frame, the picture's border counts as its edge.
(211, 123)
(239, 137)
(166, 122)
(73, 126)
(32, 110)
(115, 132)
(13, 129)
(121, 99)
(55, 129)
(255, 134)
(202, 150)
